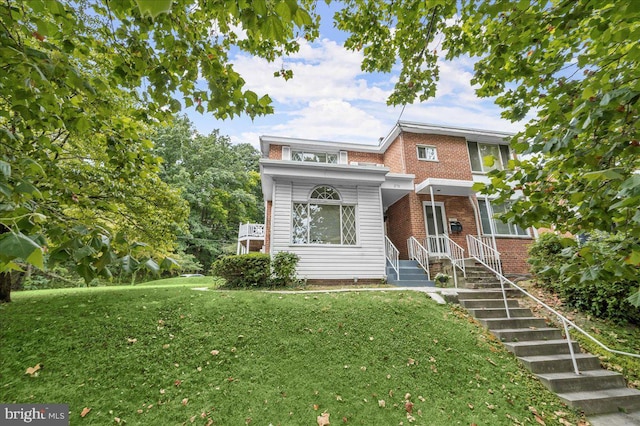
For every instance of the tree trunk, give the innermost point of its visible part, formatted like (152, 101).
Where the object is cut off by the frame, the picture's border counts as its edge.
(5, 287)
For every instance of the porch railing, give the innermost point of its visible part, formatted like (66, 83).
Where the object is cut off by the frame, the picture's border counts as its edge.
(437, 245)
(393, 255)
(419, 253)
(251, 230)
(444, 246)
(567, 324)
(484, 253)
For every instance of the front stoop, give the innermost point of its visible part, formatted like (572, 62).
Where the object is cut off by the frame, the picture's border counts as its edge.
(545, 352)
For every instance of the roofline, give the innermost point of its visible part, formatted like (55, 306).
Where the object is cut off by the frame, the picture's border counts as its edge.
(267, 140)
(477, 135)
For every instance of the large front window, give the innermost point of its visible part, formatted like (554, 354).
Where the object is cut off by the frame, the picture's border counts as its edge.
(500, 227)
(479, 151)
(324, 219)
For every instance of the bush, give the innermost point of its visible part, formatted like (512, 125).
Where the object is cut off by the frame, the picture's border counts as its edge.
(284, 269)
(590, 277)
(546, 257)
(243, 271)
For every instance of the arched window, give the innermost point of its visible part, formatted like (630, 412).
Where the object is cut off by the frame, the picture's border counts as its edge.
(324, 219)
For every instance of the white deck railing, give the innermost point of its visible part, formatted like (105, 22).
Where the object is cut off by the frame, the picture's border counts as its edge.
(393, 255)
(481, 254)
(251, 230)
(419, 253)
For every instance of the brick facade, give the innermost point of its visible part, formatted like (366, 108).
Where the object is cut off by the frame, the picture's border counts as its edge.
(365, 157)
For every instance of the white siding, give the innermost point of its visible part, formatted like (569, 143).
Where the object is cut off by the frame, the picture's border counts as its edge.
(364, 260)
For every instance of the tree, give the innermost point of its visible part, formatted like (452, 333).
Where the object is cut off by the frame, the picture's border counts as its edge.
(574, 64)
(79, 87)
(219, 180)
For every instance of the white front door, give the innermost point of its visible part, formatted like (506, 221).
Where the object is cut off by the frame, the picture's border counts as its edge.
(437, 246)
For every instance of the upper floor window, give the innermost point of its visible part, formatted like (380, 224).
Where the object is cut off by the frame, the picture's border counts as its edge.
(478, 151)
(314, 157)
(324, 219)
(427, 153)
(500, 227)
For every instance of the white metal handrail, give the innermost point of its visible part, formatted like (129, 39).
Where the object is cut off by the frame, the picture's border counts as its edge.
(437, 245)
(566, 323)
(419, 253)
(443, 246)
(393, 255)
(456, 255)
(484, 253)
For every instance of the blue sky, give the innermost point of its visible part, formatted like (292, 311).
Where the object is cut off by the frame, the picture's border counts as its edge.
(330, 98)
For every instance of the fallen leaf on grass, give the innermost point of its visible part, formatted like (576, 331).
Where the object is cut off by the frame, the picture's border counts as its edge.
(185, 401)
(408, 406)
(316, 407)
(85, 411)
(33, 370)
(381, 403)
(131, 341)
(177, 383)
(491, 362)
(564, 422)
(117, 420)
(470, 406)
(323, 419)
(539, 420)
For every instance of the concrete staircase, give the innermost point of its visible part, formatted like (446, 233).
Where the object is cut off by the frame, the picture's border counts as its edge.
(411, 275)
(544, 351)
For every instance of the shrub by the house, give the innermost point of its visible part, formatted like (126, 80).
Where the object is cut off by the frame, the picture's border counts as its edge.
(244, 271)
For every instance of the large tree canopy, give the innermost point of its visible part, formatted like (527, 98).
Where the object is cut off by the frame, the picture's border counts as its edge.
(574, 64)
(80, 84)
(219, 180)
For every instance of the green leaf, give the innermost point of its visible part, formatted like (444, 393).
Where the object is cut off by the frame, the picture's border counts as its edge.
(634, 299)
(169, 263)
(5, 168)
(19, 246)
(154, 8)
(633, 258)
(152, 266)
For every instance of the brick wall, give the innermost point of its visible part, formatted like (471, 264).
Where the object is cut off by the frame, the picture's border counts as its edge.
(453, 157)
(365, 157)
(514, 253)
(393, 156)
(267, 226)
(275, 152)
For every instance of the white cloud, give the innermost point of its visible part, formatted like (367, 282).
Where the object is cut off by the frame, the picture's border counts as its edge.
(321, 70)
(330, 98)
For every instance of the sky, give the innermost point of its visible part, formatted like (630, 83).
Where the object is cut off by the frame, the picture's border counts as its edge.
(330, 98)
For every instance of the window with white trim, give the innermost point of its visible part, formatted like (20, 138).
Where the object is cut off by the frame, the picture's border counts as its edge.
(478, 151)
(501, 228)
(324, 219)
(315, 157)
(427, 153)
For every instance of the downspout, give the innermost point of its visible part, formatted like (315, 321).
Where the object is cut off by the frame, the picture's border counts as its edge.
(491, 224)
(435, 217)
(476, 214)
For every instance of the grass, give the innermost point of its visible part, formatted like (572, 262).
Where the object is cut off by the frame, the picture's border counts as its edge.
(165, 354)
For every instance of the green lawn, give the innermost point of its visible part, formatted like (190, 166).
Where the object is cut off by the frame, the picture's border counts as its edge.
(165, 354)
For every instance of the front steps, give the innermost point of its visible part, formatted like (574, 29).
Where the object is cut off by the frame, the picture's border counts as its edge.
(411, 275)
(544, 350)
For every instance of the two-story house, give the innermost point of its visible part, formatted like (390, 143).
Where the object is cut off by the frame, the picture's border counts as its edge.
(349, 210)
